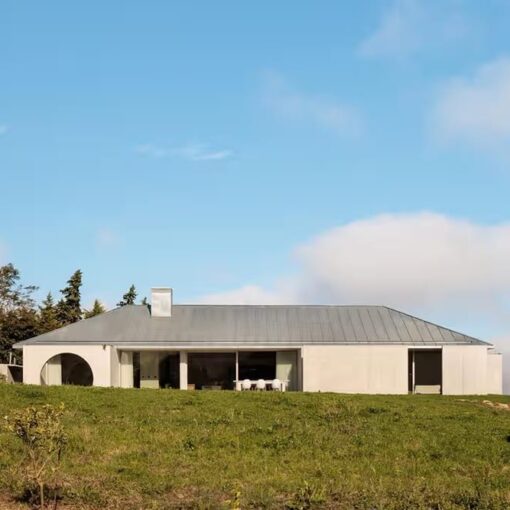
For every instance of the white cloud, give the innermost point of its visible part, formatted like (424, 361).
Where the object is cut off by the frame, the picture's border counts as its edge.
(3, 129)
(409, 26)
(476, 109)
(421, 260)
(321, 111)
(190, 152)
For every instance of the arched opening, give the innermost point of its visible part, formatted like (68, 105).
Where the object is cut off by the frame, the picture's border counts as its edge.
(67, 368)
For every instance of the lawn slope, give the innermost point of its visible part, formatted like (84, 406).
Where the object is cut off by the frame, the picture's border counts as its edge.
(157, 449)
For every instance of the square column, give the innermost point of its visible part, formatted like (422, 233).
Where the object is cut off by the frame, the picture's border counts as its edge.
(183, 370)
(126, 369)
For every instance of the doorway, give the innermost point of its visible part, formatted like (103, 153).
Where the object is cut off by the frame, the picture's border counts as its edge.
(425, 371)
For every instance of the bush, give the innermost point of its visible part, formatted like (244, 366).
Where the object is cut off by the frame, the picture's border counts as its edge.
(41, 431)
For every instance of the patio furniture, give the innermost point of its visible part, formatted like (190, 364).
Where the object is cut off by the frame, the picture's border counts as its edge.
(261, 385)
(276, 385)
(250, 384)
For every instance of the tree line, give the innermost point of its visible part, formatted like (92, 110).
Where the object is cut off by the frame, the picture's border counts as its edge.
(21, 317)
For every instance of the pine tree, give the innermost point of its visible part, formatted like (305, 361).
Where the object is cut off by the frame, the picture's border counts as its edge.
(48, 320)
(97, 308)
(69, 308)
(129, 297)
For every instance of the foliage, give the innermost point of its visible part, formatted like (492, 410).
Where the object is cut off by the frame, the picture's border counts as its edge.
(129, 297)
(97, 309)
(69, 307)
(160, 449)
(48, 320)
(18, 318)
(12, 293)
(41, 431)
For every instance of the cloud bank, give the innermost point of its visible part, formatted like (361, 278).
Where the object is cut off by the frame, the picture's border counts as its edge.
(421, 261)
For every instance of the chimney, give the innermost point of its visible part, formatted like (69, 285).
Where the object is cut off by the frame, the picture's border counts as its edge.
(161, 302)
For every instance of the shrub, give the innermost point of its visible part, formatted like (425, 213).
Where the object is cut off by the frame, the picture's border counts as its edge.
(41, 431)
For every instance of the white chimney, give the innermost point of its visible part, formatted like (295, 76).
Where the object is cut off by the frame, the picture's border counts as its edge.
(161, 302)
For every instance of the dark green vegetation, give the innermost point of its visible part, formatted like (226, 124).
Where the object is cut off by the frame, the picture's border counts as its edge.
(22, 318)
(155, 449)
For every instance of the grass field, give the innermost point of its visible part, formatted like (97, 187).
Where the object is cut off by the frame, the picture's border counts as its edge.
(156, 449)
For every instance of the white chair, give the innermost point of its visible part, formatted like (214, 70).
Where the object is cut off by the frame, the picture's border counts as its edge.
(246, 384)
(276, 385)
(261, 385)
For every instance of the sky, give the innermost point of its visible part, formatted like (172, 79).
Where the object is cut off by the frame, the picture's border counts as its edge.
(263, 152)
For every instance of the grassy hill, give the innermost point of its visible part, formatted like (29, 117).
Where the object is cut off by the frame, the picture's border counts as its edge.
(156, 449)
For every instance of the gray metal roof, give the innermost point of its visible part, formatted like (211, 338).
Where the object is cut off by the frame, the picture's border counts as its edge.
(247, 325)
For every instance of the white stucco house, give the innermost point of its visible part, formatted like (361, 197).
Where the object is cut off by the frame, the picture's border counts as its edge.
(348, 349)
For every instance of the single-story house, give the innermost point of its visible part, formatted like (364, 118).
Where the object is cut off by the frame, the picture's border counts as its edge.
(348, 349)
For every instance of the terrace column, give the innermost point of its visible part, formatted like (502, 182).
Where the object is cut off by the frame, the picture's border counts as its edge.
(238, 383)
(126, 369)
(183, 370)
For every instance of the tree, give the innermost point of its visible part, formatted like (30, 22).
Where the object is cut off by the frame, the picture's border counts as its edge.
(129, 297)
(97, 308)
(15, 326)
(69, 307)
(48, 320)
(18, 317)
(12, 293)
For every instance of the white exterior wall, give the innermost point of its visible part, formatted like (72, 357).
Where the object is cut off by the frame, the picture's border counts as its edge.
(494, 373)
(464, 370)
(383, 369)
(97, 356)
(355, 369)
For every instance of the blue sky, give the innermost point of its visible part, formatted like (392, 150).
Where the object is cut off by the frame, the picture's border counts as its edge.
(230, 149)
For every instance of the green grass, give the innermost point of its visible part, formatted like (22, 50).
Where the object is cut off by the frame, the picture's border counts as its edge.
(157, 449)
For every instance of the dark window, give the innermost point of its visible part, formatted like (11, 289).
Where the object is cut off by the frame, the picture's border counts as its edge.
(257, 365)
(212, 370)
